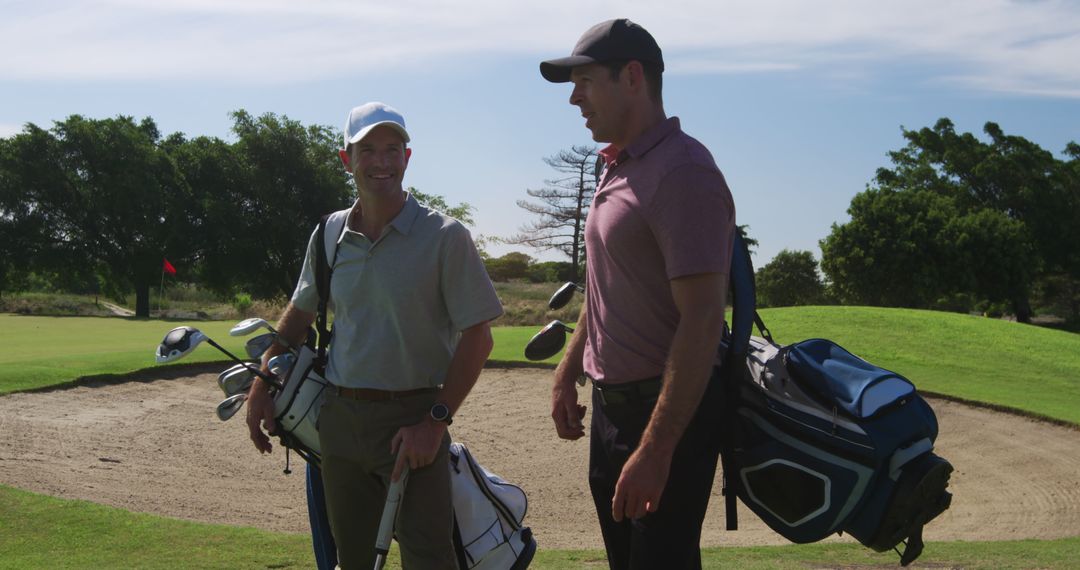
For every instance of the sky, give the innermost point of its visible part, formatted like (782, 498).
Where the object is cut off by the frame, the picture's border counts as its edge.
(798, 101)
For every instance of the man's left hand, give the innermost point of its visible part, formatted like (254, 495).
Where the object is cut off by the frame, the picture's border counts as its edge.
(640, 485)
(416, 445)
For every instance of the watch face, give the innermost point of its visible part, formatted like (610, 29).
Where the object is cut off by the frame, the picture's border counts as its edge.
(440, 412)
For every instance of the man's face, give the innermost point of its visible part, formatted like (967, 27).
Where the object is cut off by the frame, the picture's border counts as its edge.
(603, 101)
(378, 161)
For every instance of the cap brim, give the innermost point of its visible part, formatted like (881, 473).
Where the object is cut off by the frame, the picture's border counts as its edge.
(364, 132)
(558, 70)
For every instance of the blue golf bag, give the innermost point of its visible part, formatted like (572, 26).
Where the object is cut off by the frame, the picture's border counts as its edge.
(820, 441)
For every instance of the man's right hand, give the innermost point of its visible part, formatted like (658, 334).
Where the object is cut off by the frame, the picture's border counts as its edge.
(260, 415)
(565, 410)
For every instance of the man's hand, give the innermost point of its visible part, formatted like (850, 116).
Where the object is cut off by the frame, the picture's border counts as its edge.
(260, 408)
(641, 484)
(416, 445)
(566, 411)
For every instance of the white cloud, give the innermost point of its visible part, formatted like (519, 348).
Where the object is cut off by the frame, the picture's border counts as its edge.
(1022, 47)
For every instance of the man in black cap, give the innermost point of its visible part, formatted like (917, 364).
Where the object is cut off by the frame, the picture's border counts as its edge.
(659, 237)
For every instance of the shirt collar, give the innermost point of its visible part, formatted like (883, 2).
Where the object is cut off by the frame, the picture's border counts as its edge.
(644, 143)
(405, 219)
(403, 222)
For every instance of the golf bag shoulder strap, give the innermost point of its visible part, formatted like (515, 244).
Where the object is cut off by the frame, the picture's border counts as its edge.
(330, 227)
(744, 316)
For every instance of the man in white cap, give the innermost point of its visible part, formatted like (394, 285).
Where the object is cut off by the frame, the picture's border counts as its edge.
(659, 236)
(412, 303)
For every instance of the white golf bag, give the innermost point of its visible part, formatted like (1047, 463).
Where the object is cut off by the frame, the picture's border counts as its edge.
(297, 404)
(487, 516)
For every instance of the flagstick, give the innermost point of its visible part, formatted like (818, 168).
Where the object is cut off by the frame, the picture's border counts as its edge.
(161, 292)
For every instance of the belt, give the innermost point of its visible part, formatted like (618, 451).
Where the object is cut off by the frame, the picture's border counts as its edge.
(373, 395)
(640, 391)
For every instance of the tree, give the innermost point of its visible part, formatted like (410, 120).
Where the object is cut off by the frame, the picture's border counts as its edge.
(514, 265)
(957, 215)
(261, 213)
(462, 212)
(101, 196)
(563, 206)
(790, 279)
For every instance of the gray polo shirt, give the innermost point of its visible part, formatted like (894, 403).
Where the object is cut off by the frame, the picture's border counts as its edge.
(400, 303)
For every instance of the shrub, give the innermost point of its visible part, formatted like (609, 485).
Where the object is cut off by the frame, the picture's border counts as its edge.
(242, 303)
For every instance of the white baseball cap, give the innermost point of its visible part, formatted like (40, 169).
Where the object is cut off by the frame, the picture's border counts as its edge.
(370, 115)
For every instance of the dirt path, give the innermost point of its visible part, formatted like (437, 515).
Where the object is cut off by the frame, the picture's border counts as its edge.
(118, 310)
(155, 446)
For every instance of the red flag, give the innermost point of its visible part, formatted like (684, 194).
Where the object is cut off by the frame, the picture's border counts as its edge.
(168, 267)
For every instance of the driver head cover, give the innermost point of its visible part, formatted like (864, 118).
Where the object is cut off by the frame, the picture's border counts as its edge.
(178, 342)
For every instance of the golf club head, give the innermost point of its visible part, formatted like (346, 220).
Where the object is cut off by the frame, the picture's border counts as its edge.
(178, 343)
(248, 326)
(257, 345)
(563, 295)
(548, 342)
(236, 380)
(229, 406)
(281, 363)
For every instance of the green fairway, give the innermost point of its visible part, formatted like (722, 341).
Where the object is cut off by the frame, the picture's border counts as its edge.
(510, 345)
(44, 351)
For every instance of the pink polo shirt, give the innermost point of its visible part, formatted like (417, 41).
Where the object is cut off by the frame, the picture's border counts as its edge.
(662, 211)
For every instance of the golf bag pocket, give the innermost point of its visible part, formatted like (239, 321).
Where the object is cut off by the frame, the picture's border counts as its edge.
(488, 513)
(297, 405)
(800, 488)
(844, 381)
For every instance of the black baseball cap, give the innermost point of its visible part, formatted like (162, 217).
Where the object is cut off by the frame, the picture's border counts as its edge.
(612, 40)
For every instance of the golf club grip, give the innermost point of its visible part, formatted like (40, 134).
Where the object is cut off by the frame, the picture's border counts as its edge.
(386, 523)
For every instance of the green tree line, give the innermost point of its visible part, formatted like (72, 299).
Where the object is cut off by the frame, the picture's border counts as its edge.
(97, 205)
(956, 223)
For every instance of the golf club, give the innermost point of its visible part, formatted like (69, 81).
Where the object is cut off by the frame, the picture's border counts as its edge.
(229, 406)
(257, 345)
(235, 380)
(563, 295)
(181, 341)
(548, 342)
(248, 326)
(281, 363)
(386, 523)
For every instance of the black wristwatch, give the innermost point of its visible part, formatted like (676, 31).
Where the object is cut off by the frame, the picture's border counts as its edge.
(440, 412)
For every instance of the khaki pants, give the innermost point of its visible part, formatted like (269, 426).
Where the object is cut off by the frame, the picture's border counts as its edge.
(356, 465)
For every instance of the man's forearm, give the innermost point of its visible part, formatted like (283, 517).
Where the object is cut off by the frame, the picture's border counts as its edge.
(687, 372)
(472, 352)
(292, 330)
(572, 364)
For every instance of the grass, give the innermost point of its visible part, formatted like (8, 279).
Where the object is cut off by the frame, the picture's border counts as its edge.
(44, 532)
(1019, 366)
(47, 351)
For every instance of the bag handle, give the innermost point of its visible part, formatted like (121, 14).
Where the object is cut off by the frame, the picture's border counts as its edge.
(744, 316)
(324, 271)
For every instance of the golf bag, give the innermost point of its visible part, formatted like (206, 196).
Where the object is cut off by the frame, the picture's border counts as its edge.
(297, 404)
(487, 517)
(821, 441)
